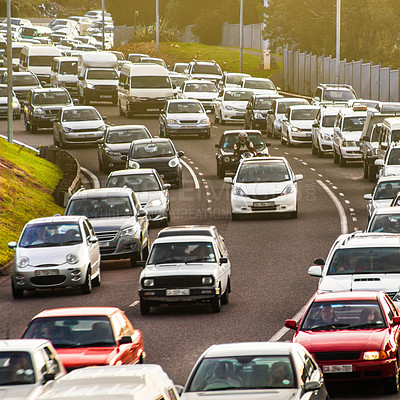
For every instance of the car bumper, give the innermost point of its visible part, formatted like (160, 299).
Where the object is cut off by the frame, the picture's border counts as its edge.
(325, 145)
(146, 106)
(157, 214)
(43, 121)
(233, 116)
(188, 130)
(92, 137)
(351, 153)
(300, 137)
(4, 111)
(113, 161)
(192, 295)
(280, 204)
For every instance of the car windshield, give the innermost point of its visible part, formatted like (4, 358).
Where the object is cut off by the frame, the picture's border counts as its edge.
(184, 107)
(304, 115)
(178, 80)
(51, 235)
(106, 207)
(84, 114)
(284, 106)
(237, 96)
(394, 157)
(25, 80)
(211, 69)
(40, 61)
(149, 150)
(339, 315)
(200, 87)
(376, 130)
(229, 141)
(188, 252)
(244, 373)
(26, 31)
(150, 82)
(338, 95)
(263, 104)
(16, 368)
(73, 332)
(152, 61)
(368, 260)
(351, 124)
(46, 98)
(386, 223)
(328, 121)
(387, 190)
(259, 84)
(69, 68)
(235, 79)
(126, 135)
(263, 172)
(180, 68)
(137, 182)
(102, 74)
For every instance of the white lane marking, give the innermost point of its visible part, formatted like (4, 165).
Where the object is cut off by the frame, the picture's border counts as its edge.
(208, 193)
(296, 158)
(286, 153)
(304, 163)
(320, 175)
(347, 201)
(135, 303)
(351, 209)
(196, 168)
(209, 209)
(334, 187)
(276, 148)
(339, 207)
(341, 194)
(313, 169)
(355, 219)
(191, 162)
(209, 201)
(278, 335)
(200, 173)
(195, 180)
(327, 181)
(355, 229)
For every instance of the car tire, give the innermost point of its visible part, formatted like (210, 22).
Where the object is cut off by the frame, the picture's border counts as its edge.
(86, 288)
(293, 215)
(365, 169)
(216, 303)
(55, 141)
(179, 183)
(216, 119)
(16, 293)
(220, 171)
(137, 257)
(320, 153)
(26, 123)
(86, 100)
(335, 157)
(342, 161)
(115, 99)
(221, 121)
(97, 281)
(207, 135)
(144, 307)
(283, 142)
(101, 165)
(391, 385)
(18, 116)
(252, 125)
(146, 250)
(225, 296)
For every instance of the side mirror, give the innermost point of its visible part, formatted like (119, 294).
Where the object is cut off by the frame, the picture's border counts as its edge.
(223, 260)
(167, 186)
(93, 240)
(284, 119)
(43, 83)
(315, 270)
(278, 89)
(367, 196)
(396, 321)
(384, 145)
(56, 120)
(48, 376)
(104, 117)
(365, 138)
(81, 78)
(125, 340)
(75, 101)
(379, 162)
(228, 180)
(291, 324)
(311, 386)
(317, 98)
(124, 157)
(142, 212)
(12, 245)
(298, 177)
(270, 112)
(181, 153)
(315, 125)
(217, 146)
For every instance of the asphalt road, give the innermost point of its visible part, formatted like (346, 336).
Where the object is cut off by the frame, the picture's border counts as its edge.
(270, 256)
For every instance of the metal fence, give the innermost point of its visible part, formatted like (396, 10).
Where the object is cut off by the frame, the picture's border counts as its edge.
(302, 72)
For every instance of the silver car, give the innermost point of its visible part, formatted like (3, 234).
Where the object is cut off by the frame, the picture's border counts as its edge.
(56, 252)
(16, 106)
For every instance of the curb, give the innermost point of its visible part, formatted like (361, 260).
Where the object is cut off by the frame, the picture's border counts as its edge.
(91, 177)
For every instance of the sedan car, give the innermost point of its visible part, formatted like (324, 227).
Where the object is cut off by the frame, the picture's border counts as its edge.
(232, 79)
(16, 106)
(264, 185)
(352, 336)
(257, 110)
(150, 190)
(184, 117)
(116, 143)
(255, 370)
(259, 85)
(85, 336)
(199, 89)
(230, 105)
(22, 83)
(55, 252)
(78, 125)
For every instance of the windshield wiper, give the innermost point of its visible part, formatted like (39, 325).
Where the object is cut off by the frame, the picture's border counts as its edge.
(366, 325)
(197, 260)
(41, 245)
(328, 327)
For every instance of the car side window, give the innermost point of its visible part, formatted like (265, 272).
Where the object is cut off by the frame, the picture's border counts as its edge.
(51, 361)
(93, 233)
(388, 311)
(392, 307)
(87, 231)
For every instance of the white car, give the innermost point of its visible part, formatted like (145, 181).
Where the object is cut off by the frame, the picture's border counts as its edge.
(390, 164)
(16, 106)
(230, 105)
(56, 252)
(232, 79)
(385, 220)
(202, 90)
(361, 261)
(259, 85)
(264, 185)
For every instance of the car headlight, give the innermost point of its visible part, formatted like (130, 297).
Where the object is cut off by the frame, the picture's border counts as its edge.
(207, 280)
(238, 191)
(128, 231)
(154, 203)
(134, 99)
(228, 108)
(375, 355)
(65, 129)
(22, 262)
(112, 153)
(349, 143)
(172, 121)
(227, 159)
(38, 111)
(326, 136)
(173, 162)
(205, 121)
(133, 165)
(258, 115)
(101, 128)
(287, 190)
(72, 258)
(295, 129)
(148, 282)
(90, 86)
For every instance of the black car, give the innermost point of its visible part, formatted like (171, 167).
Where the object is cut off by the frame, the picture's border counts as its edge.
(116, 143)
(256, 112)
(159, 154)
(227, 161)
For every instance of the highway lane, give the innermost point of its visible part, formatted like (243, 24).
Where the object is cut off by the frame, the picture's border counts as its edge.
(270, 256)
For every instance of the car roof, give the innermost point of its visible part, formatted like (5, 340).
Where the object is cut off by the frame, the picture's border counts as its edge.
(57, 219)
(304, 107)
(152, 140)
(291, 99)
(368, 239)
(264, 160)
(189, 230)
(22, 344)
(237, 131)
(346, 295)
(183, 101)
(393, 210)
(389, 178)
(79, 108)
(76, 311)
(237, 89)
(49, 89)
(184, 239)
(123, 127)
(255, 78)
(102, 192)
(138, 171)
(199, 81)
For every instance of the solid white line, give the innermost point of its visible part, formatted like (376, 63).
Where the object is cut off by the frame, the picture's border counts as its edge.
(135, 303)
(342, 214)
(195, 180)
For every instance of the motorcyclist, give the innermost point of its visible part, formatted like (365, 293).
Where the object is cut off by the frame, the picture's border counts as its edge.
(244, 145)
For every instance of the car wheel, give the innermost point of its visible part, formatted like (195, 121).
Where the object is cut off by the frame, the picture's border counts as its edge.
(86, 100)
(225, 296)
(16, 293)
(55, 141)
(115, 99)
(146, 250)
(335, 157)
(293, 215)
(220, 171)
(63, 145)
(86, 288)
(97, 281)
(26, 123)
(216, 119)
(365, 169)
(179, 183)
(216, 303)
(207, 135)
(342, 161)
(18, 116)
(221, 120)
(320, 153)
(144, 307)
(252, 125)
(391, 385)
(282, 140)
(101, 165)
(288, 141)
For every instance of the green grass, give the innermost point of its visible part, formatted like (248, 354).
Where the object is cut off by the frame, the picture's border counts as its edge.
(26, 186)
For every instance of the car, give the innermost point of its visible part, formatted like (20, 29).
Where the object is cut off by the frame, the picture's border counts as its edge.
(385, 220)
(16, 106)
(180, 67)
(383, 193)
(184, 117)
(135, 57)
(23, 82)
(225, 156)
(264, 185)
(86, 336)
(259, 85)
(28, 368)
(297, 124)
(352, 336)
(154, 60)
(255, 370)
(192, 230)
(257, 110)
(116, 143)
(55, 252)
(78, 125)
(361, 261)
(202, 90)
(177, 79)
(43, 105)
(186, 269)
(160, 154)
(208, 70)
(331, 92)
(230, 105)
(366, 102)
(150, 190)
(120, 223)
(390, 164)
(232, 79)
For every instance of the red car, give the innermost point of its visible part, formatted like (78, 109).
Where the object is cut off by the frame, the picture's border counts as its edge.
(85, 336)
(352, 336)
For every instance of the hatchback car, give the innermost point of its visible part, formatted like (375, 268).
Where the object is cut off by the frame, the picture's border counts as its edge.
(16, 106)
(230, 105)
(184, 117)
(55, 252)
(255, 370)
(352, 336)
(85, 336)
(257, 111)
(232, 79)
(116, 143)
(264, 185)
(150, 190)
(159, 154)
(78, 125)
(203, 90)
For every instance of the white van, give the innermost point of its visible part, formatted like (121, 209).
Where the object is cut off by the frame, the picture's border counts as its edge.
(390, 132)
(16, 48)
(64, 73)
(128, 382)
(37, 58)
(143, 88)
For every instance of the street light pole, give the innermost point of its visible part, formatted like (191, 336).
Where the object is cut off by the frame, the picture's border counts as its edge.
(102, 18)
(157, 25)
(338, 41)
(9, 76)
(241, 36)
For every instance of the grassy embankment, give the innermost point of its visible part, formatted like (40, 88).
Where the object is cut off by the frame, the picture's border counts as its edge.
(26, 186)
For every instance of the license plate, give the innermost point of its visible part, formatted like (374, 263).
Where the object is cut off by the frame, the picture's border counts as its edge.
(46, 272)
(104, 244)
(85, 135)
(264, 204)
(152, 109)
(337, 368)
(308, 134)
(178, 292)
(105, 96)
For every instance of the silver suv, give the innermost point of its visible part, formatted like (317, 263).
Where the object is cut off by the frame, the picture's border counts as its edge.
(332, 93)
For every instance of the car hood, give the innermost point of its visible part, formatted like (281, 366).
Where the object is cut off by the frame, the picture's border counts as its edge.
(263, 188)
(342, 340)
(154, 162)
(263, 91)
(121, 147)
(103, 81)
(200, 95)
(307, 124)
(93, 125)
(256, 394)
(20, 392)
(187, 116)
(145, 197)
(179, 269)
(86, 356)
(236, 104)
(48, 255)
(354, 135)
(391, 170)
(115, 223)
